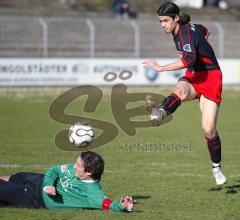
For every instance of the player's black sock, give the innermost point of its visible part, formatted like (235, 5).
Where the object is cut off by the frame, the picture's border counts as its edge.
(214, 148)
(171, 103)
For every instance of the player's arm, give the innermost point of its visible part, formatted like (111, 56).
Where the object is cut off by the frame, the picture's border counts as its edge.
(188, 52)
(97, 200)
(49, 178)
(125, 204)
(168, 67)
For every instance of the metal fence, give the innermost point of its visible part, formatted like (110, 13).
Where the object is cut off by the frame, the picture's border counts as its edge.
(73, 37)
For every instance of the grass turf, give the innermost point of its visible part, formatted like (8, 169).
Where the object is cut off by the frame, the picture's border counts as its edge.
(168, 183)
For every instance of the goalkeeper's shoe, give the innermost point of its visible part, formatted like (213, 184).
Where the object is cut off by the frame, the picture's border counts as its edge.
(157, 114)
(219, 177)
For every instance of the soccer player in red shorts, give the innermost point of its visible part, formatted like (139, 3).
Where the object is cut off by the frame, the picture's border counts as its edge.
(203, 78)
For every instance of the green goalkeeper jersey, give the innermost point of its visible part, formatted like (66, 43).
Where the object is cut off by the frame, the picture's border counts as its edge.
(73, 193)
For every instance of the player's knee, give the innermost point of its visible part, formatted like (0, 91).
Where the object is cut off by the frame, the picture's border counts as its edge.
(209, 131)
(181, 92)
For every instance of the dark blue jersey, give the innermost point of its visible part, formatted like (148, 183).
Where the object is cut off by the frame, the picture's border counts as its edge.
(197, 53)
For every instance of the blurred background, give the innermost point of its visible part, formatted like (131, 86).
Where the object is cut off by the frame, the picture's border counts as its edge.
(103, 29)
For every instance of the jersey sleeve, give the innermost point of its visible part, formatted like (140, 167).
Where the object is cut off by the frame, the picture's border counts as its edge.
(99, 201)
(202, 29)
(116, 206)
(51, 175)
(113, 205)
(188, 43)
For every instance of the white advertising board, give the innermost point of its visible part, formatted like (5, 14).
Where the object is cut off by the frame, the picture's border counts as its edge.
(73, 72)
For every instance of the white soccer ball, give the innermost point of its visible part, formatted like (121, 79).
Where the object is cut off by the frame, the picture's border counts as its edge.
(81, 134)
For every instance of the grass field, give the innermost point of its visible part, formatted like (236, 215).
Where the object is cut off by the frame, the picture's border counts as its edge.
(167, 183)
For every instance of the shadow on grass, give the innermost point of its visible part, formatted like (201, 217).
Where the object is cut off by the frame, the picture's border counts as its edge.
(139, 197)
(215, 189)
(233, 189)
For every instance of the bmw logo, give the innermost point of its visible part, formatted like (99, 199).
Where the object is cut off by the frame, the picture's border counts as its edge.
(151, 74)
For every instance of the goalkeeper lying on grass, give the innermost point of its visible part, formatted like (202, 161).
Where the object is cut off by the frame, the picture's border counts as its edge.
(69, 186)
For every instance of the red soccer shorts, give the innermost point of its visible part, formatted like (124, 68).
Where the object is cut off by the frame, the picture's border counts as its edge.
(208, 84)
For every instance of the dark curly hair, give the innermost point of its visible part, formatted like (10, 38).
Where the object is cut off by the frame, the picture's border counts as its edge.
(93, 163)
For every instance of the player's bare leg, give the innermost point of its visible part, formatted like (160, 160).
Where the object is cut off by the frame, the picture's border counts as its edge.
(209, 111)
(184, 92)
(6, 178)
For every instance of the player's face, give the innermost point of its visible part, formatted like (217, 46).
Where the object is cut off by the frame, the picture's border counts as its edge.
(168, 23)
(80, 171)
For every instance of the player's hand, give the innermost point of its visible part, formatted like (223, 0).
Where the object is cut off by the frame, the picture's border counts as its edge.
(50, 190)
(128, 203)
(152, 64)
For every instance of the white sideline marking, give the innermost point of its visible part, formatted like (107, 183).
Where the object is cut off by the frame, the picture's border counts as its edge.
(6, 165)
(179, 174)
